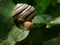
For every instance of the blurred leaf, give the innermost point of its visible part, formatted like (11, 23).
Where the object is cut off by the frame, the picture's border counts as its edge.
(5, 12)
(54, 41)
(53, 28)
(53, 22)
(6, 8)
(15, 35)
(51, 32)
(6, 22)
(56, 20)
(58, 1)
(42, 19)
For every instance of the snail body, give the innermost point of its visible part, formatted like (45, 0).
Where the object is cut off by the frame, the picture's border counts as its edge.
(28, 25)
(23, 12)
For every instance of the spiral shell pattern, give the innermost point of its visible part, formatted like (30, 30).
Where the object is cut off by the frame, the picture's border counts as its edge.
(23, 12)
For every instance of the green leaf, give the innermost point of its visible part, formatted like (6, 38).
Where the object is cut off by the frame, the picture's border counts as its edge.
(6, 21)
(53, 27)
(56, 20)
(54, 41)
(52, 30)
(15, 35)
(58, 1)
(53, 22)
(42, 19)
(5, 12)
(6, 8)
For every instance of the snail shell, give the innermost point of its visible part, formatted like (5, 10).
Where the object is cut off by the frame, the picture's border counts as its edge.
(23, 12)
(23, 15)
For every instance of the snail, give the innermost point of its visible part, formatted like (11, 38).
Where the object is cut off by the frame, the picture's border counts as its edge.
(23, 15)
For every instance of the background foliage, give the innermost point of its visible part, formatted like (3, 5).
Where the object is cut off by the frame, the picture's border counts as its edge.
(47, 24)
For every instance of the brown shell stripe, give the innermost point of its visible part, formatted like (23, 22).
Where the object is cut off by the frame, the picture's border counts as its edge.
(17, 6)
(19, 10)
(31, 16)
(24, 11)
(15, 17)
(24, 15)
(30, 13)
